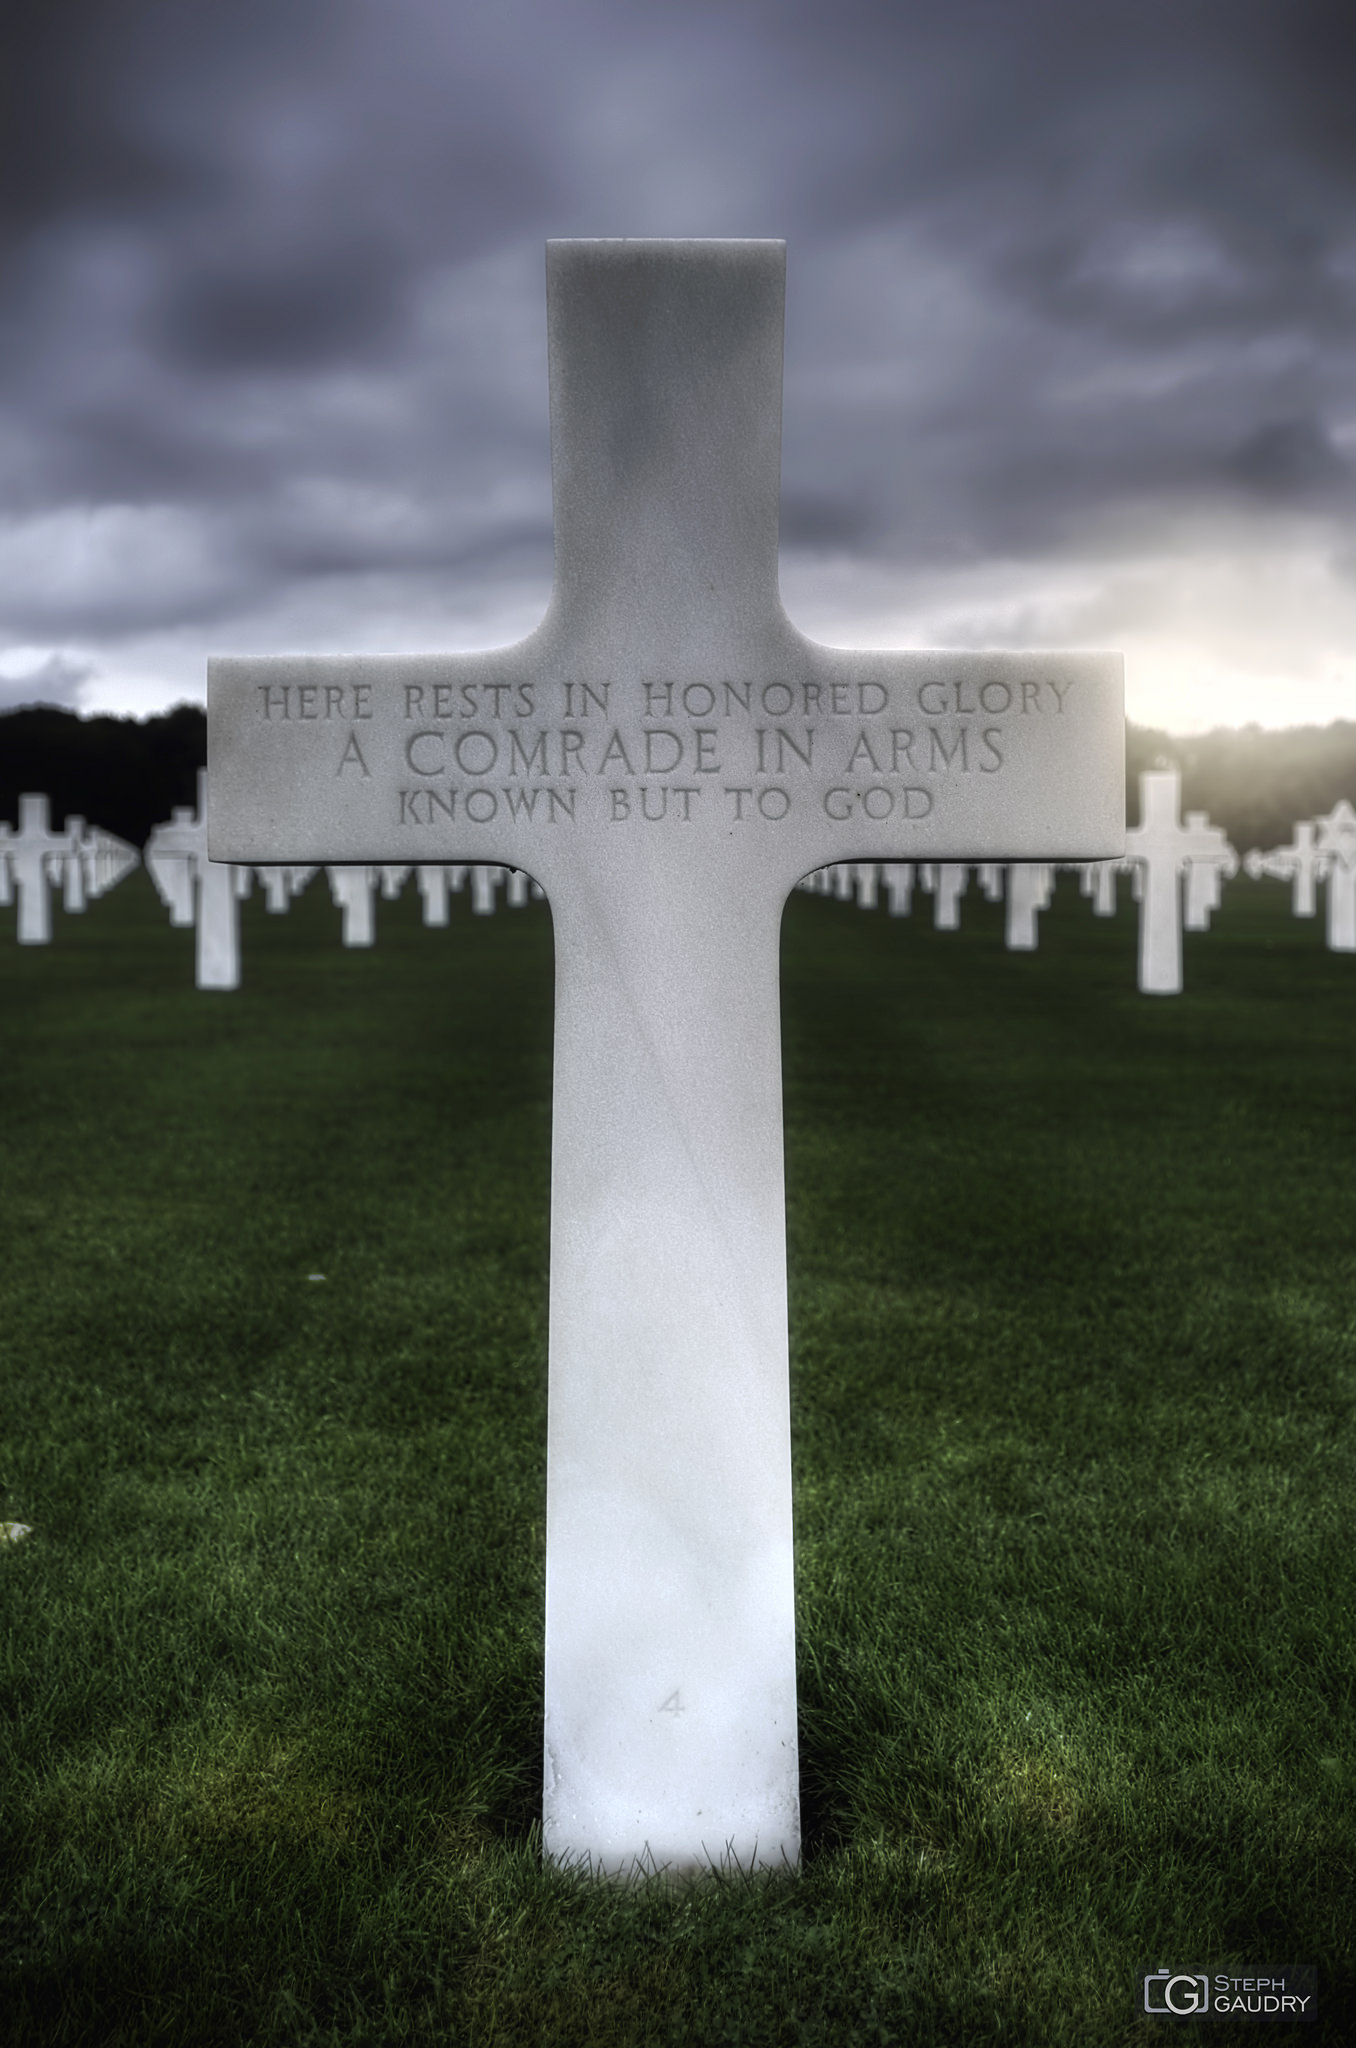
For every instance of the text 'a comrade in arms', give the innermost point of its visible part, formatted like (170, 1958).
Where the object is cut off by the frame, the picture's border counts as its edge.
(462, 727)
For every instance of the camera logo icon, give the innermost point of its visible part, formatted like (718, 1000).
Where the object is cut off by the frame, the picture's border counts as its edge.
(1177, 1994)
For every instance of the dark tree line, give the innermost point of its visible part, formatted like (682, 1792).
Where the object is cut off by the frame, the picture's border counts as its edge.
(128, 774)
(125, 774)
(1255, 784)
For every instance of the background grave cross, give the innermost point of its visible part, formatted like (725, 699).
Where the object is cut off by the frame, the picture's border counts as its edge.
(35, 854)
(171, 870)
(1337, 845)
(667, 755)
(1031, 884)
(1160, 847)
(353, 891)
(73, 866)
(1097, 879)
(947, 882)
(1210, 863)
(896, 878)
(106, 859)
(281, 884)
(1300, 863)
(199, 890)
(435, 883)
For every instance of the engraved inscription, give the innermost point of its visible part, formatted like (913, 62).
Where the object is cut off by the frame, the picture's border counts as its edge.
(307, 703)
(352, 757)
(655, 747)
(726, 754)
(481, 806)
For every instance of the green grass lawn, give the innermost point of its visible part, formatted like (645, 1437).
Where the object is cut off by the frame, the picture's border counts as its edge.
(1073, 1338)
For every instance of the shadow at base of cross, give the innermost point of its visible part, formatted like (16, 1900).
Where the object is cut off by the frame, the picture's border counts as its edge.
(726, 1869)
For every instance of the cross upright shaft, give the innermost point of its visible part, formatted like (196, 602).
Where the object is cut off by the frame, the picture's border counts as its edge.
(667, 755)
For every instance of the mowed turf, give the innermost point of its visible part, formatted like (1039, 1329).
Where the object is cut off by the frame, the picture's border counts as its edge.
(1073, 1334)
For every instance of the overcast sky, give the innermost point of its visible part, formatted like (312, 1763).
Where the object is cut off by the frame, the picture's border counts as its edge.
(1071, 302)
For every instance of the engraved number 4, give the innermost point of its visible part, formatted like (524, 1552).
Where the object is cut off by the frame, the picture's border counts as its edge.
(672, 1705)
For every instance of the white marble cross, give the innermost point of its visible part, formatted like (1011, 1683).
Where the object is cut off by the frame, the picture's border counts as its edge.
(1097, 879)
(867, 884)
(281, 884)
(1337, 845)
(34, 855)
(897, 880)
(107, 860)
(667, 755)
(71, 867)
(1160, 847)
(1300, 864)
(435, 881)
(947, 880)
(94, 862)
(353, 890)
(484, 881)
(1030, 886)
(172, 871)
(199, 890)
(1211, 862)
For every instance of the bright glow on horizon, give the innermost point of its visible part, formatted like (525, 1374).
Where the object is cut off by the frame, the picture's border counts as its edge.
(1220, 624)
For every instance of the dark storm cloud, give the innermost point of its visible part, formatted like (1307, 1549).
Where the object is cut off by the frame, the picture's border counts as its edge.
(1292, 459)
(272, 283)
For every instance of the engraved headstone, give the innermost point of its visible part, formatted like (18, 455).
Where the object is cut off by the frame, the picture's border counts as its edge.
(667, 755)
(1336, 843)
(200, 891)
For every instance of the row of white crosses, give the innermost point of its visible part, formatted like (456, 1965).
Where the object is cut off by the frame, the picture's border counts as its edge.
(1029, 886)
(82, 860)
(207, 894)
(1323, 849)
(355, 889)
(1176, 870)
